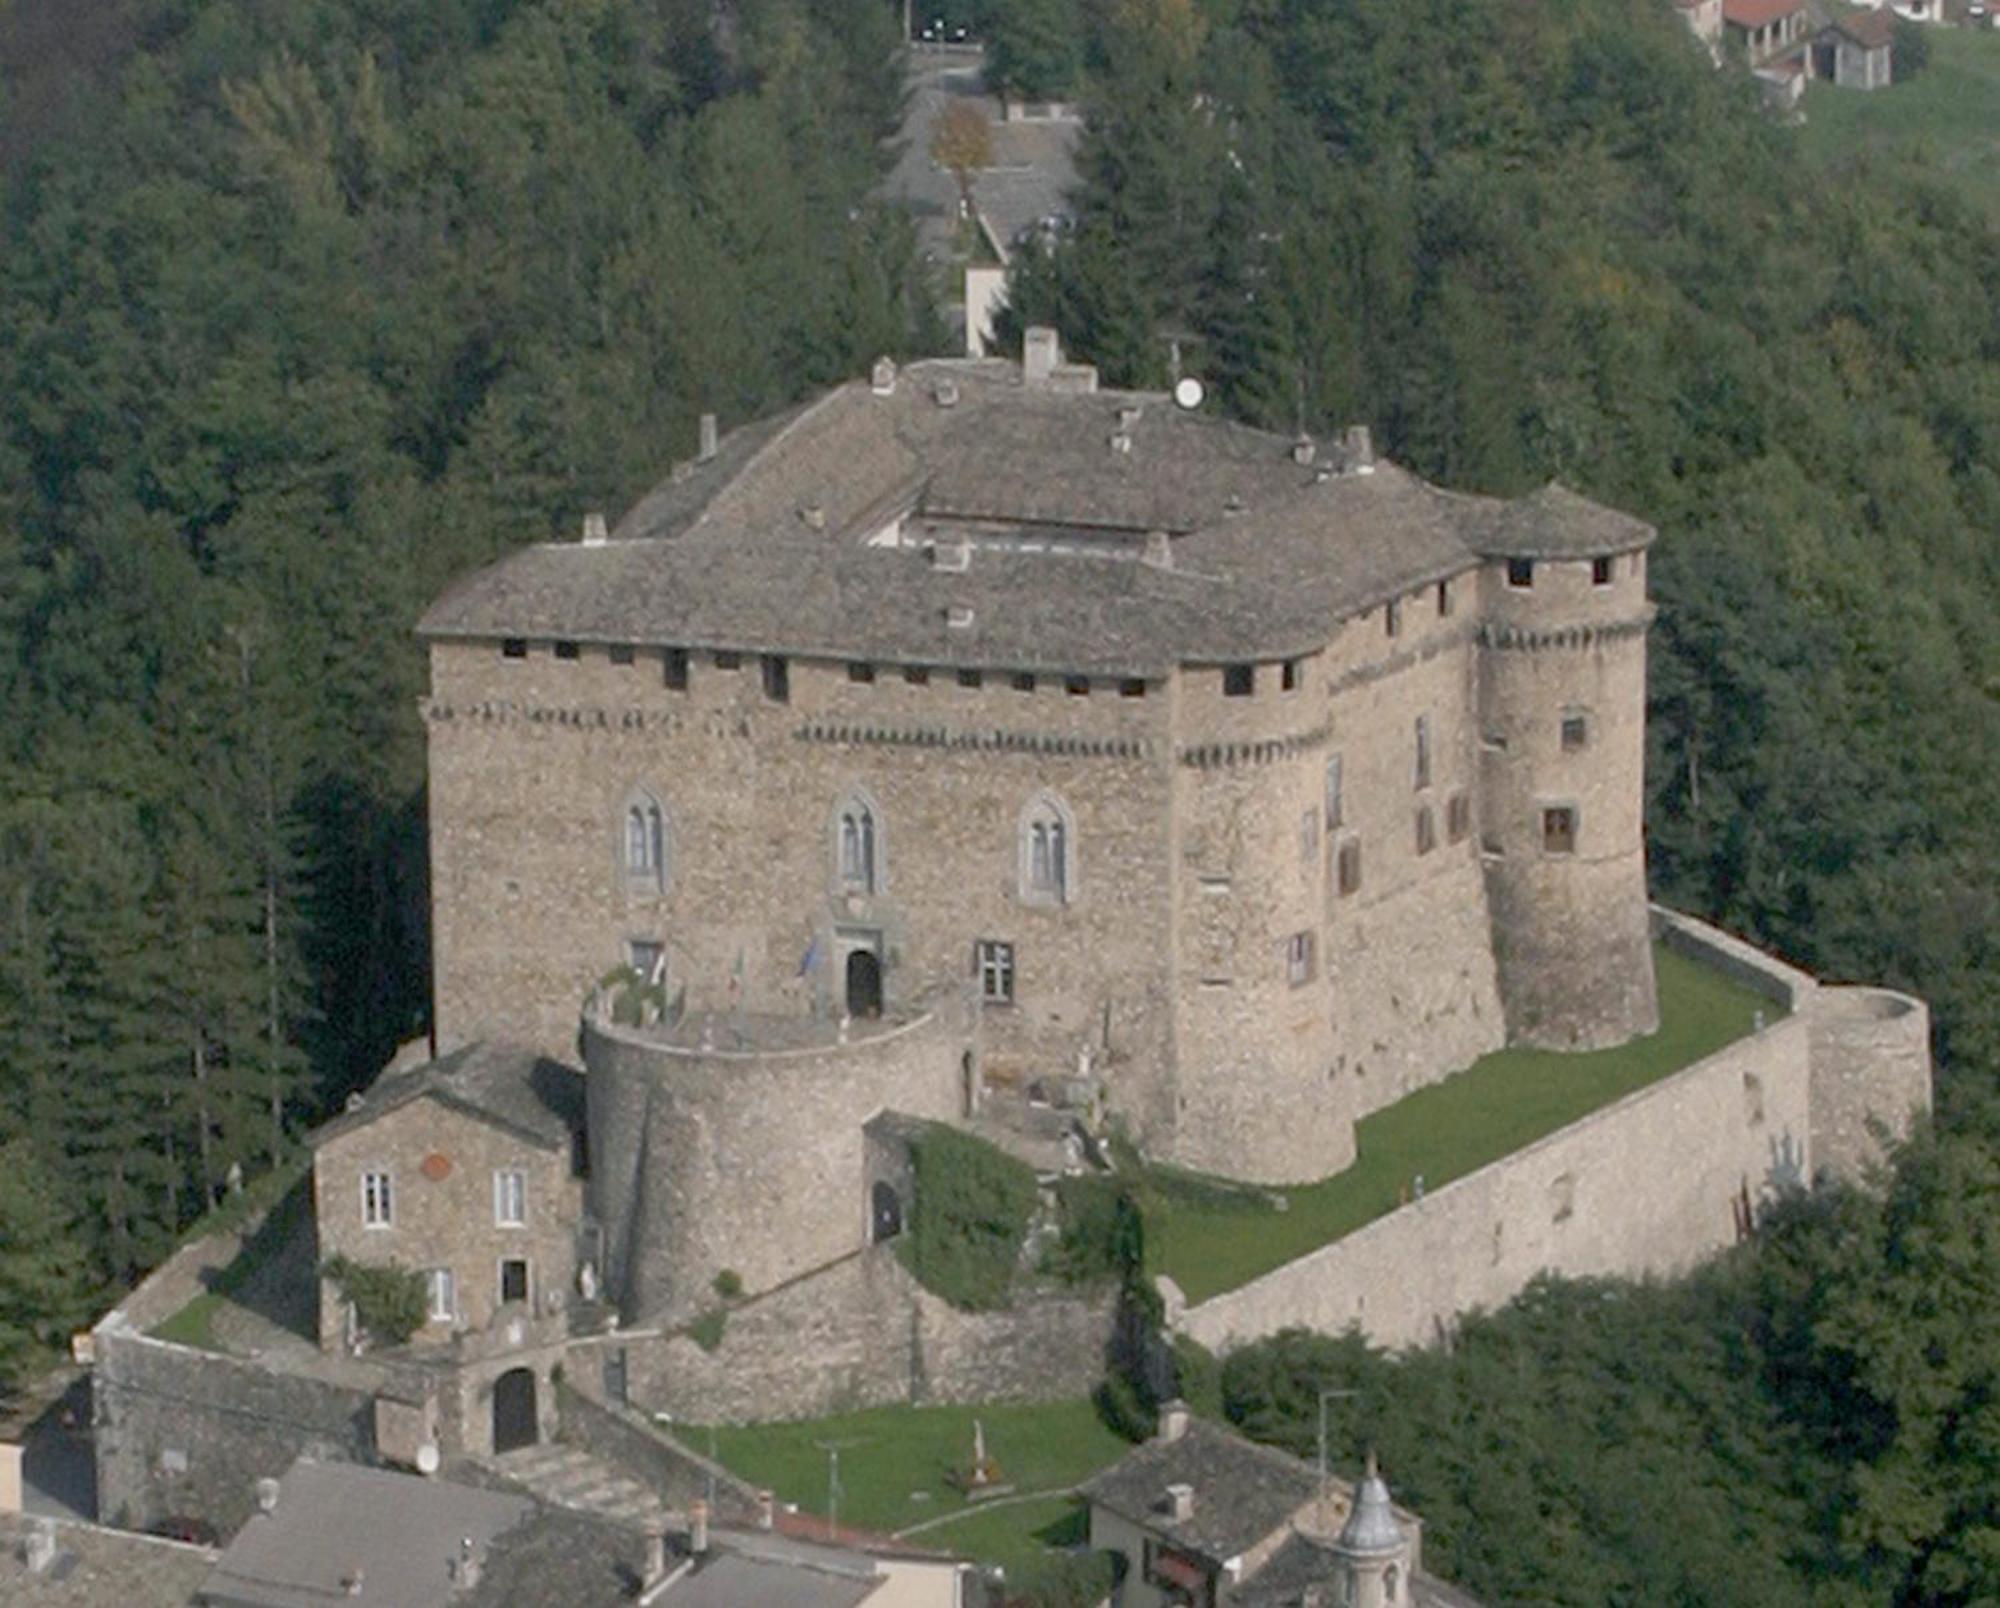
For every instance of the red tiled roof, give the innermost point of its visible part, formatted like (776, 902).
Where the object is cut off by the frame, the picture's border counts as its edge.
(1757, 13)
(1869, 29)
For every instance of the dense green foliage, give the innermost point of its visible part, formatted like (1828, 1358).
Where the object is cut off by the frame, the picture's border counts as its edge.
(969, 1218)
(1810, 1420)
(44, 1291)
(1550, 239)
(390, 1302)
(309, 308)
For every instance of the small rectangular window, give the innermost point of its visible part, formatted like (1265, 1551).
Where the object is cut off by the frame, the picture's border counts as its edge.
(1334, 804)
(378, 1204)
(917, 675)
(1575, 732)
(567, 650)
(1289, 676)
(863, 673)
(777, 678)
(514, 1279)
(1423, 755)
(510, 1199)
(442, 1291)
(621, 653)
(1458, 817)
(1600, 572)
(1521, 573)
(1299, 959)
(1024, 682)
(726, 660)
(675, 669)
(1077, 686)
(1559, 829)
(1426, 830)
(1349, 867)
(1444, 599)
(1239, 680)
(969, 678)
(514, 648)
(644, 955)
(995, 961)
(1132, 687)
(1392, 617)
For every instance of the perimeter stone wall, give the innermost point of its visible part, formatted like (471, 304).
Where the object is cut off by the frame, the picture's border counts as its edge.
(1871, 1075)
(864, 1333)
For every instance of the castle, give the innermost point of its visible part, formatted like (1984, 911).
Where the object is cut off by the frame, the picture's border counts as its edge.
(1253, 777)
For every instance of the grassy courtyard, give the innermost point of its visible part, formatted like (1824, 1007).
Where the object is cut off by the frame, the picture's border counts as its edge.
(1946, 119)
(1209, 1238)
(895, 1464)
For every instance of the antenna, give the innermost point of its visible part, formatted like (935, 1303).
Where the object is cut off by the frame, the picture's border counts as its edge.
(833, 1451)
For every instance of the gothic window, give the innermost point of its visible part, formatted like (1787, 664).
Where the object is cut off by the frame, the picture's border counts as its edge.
(642, 844)
(857, 847)
(1048, 852)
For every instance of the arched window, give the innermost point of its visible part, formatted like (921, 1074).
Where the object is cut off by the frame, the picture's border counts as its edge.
(1048, 852)
(857, 845)
(642, 844)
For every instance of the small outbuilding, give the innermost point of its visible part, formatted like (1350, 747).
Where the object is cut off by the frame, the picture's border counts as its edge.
(1856, 51)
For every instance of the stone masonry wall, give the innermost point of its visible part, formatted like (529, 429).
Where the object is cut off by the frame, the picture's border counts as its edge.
(755, 1163)
(181, 1432)
(864, 1333)
(1647, 1185)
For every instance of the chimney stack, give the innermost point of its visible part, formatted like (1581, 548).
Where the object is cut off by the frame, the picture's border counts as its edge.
(882, 377)
(1173, 1421)
(767, 1510)
(267, 1496)
(595, 532)
(1180, 1503)
(1358, 450)
(1159, 550)
(707, 437)
(1041, 355)
(697, 1527)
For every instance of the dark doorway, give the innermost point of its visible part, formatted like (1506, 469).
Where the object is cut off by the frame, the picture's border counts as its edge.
(514, 1420)
(864, 983)
(885, 1213)
(513, 1279)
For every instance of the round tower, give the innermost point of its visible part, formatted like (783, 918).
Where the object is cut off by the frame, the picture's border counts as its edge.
(1562, 775)
(1373, 1551)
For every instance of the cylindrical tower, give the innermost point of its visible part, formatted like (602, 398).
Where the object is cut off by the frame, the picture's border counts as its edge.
(1562, 795)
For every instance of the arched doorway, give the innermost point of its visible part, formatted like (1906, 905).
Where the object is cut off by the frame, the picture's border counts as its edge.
(515, 1422)
(885, 1213)
(864, 983)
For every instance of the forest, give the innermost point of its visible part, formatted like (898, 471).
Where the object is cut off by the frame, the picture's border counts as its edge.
(309, 308)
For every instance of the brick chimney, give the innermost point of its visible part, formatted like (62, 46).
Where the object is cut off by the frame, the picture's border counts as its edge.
(1173, 1421)
(707, 437)
(1041, 355)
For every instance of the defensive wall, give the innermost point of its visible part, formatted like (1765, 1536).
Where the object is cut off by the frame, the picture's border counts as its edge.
(1648, 1185)
(860, 1333)
(709, 1154)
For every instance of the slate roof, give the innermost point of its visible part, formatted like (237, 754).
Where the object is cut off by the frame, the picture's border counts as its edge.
(1242, 1491)
(733, 1580)
(1872, 30)
(400, 1531)
(538, 1099)
(1305, 1561)
(94, 1567)
(1756, 13)
(764, 547)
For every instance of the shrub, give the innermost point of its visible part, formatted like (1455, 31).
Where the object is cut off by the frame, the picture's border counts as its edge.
(389, 1300)
(729, 1284)
(706, 1330)
(968, 1219)
(1102, 1235)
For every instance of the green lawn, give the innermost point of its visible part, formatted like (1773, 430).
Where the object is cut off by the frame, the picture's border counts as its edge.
(894, 1462)
(1210, 1238)
(1946, 119)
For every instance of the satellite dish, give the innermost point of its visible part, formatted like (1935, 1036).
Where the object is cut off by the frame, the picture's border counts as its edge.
(427, 1458)
(1189, 392)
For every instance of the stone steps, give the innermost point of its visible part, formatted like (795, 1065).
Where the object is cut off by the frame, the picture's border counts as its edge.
(565, 1476)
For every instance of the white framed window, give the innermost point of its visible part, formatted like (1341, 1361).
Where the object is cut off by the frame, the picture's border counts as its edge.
(443, 1292)
(642, 843)
(1299, 959)
(995, 961)
(378, 1201)
(510, 1198)
(1048, 852)
(857, 846)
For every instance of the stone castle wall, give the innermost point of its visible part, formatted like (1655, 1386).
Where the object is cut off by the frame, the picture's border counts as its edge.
(1871, 1074)
(705, 1160)
(864, 1333)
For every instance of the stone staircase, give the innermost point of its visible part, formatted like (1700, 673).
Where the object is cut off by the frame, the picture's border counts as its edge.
(565, 1476)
